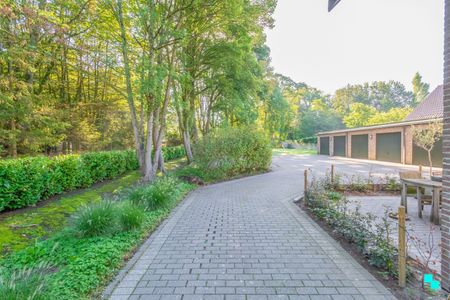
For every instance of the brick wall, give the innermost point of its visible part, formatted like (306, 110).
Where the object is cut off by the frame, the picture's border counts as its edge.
(445, 219)
(407, 140)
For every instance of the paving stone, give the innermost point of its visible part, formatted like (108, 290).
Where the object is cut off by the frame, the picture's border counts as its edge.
(245, 239)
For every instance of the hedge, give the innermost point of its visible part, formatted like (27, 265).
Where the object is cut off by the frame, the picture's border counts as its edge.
(26, 181)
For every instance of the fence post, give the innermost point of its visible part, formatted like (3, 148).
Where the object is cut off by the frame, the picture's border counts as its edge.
(420, 170)
(401, 246)
(332, 173)
(305, 188)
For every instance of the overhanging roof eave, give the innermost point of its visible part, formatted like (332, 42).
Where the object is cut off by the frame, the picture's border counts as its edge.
(388, 125)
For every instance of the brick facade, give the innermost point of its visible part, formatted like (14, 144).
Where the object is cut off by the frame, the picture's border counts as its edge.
(404, 130)
(445, 220)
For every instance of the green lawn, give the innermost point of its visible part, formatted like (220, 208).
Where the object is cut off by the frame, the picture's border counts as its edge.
(280, 151)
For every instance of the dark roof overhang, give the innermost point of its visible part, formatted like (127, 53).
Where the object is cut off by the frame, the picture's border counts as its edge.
(332, 4)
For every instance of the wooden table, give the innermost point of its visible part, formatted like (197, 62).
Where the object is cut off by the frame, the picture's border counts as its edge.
(423, 183)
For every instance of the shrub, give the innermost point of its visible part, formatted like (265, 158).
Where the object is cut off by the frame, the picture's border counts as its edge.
(25, 181)
(371, 237)
(82, 266)
(175, 152)
(130, 216)
(26, 283)
(96, 219)
(229, 152)
(156, 195)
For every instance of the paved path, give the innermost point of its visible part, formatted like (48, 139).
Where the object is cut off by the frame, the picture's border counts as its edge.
(245, 239)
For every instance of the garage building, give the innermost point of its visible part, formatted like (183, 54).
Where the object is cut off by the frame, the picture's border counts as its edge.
(391, 142)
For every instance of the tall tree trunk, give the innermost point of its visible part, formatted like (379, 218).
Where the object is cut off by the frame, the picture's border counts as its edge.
(149, 172)
(13, 140)
(130, 99)
(187, 146)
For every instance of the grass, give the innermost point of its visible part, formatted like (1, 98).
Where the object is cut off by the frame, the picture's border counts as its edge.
(83, 265)
(300, 151)
(24, 228)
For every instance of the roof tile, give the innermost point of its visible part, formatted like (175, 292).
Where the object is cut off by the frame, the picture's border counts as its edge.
(430, 107)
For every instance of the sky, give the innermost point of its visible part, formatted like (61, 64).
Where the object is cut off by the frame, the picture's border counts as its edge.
(359, 41)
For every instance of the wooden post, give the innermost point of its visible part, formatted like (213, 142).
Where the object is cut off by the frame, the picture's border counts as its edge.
(420, 170)
(401, 246)
(305, 188)
(332, 173)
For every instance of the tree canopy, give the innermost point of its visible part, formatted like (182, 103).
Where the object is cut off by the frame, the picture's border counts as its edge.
(113, 74)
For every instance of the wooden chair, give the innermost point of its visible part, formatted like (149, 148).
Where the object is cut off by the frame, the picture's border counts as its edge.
(422, 199)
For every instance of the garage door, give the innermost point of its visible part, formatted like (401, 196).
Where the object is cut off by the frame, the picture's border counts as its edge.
(360, 146)
(389, 147)
(339, 146)
(420, 156)
(325, 145)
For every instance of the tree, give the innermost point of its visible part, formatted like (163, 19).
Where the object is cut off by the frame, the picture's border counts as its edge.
(393, 115)
(426, 138)
(320, 117)
(278, 115)
(359, 115)
(420, 89)
(379, 94)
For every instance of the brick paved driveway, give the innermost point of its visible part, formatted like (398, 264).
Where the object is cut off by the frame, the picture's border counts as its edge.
(245, 239)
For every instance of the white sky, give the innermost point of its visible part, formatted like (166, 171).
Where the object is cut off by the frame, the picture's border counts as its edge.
(359, 41)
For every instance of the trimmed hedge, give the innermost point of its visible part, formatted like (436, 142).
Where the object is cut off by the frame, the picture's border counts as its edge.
(26, 181)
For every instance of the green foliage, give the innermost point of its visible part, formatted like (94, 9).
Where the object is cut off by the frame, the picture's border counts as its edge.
(229, 152)
(175, 152)
(97, 219)
(426, 138)
(24, 182)
(82, 265)
(156, 195)
(309, 140)
(420, 88)
(395, 114)
(358, 183)
(19, 230)
(130, 216)
(26, 283)
(371, 236)
(358, 115)
(380, 95)
(316, 114)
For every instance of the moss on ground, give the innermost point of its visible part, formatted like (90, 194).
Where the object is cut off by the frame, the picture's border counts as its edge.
(24, 228)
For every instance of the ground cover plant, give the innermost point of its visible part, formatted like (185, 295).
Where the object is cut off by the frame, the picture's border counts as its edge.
(372, 236)
(22, 228)
(85, 254)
